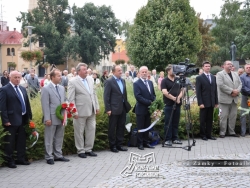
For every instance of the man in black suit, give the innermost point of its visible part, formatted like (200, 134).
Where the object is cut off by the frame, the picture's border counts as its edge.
(116, 106)
(145, 94)
(207, 97)
(15, 114)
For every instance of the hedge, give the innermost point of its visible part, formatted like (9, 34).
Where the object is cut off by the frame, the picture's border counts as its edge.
(101, 140)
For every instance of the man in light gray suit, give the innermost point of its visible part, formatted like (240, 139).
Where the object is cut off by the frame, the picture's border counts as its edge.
(52, 96)
(34, 85)
(81, 92)
(228, 87)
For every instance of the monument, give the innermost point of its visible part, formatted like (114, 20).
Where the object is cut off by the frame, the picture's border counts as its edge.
(233, 50)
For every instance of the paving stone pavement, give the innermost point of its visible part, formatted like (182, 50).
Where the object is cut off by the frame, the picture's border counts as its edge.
(104, 170)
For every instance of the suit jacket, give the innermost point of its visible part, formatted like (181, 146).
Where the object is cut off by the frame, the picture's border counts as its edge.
(225, 86)
(33, 84)
(133, 75)
(114, 99)
(50, 101)
(143, 96)
(206, 93)
(11, 108)
(78, 94)
(64, 81)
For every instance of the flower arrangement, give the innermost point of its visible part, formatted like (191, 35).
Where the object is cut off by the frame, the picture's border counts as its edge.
(33, 134)
(156, 109)
(32, 55)
(69, 111)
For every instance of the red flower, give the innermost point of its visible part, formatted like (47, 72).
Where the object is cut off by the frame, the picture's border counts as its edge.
(32, 125)
(74, 110)
(34, 133)
(68, 110)
(69, 115)
(64, 105)
(71, 105)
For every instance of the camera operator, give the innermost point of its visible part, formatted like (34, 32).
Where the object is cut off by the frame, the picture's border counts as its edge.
(172, 94)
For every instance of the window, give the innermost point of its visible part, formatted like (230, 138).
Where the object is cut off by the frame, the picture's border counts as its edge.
(8, 51)
(41, 44)
(13, 51)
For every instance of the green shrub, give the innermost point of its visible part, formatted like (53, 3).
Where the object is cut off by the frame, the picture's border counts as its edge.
(101, 140)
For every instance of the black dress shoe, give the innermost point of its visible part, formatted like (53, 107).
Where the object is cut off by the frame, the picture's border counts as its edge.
(141, 147)
(211, 138)
(11, 165)
(204, 138)
(222, 136)
(120, 148)
(92, 154)
(82, 155)
(50, 161)
(234, 135)
(62, 159)
(114, 150)
(148, 146)
(22, 162)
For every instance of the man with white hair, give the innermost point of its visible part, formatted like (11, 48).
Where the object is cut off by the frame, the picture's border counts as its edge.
(15, 115)
(155, 76)
(128, 78)
(132, 72)
(65, 80)
(144, 94)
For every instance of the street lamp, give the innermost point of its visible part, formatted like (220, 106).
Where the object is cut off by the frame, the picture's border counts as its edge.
(11, 53)
(30, 33)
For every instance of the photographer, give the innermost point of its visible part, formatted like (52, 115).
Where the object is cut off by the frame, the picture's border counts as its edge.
(172, 94)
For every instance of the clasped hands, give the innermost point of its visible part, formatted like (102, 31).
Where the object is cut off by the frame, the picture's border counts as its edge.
(178, 100)
(235, 93)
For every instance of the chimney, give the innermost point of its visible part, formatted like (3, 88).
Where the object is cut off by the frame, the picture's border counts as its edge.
(14, 29)
(7, 28)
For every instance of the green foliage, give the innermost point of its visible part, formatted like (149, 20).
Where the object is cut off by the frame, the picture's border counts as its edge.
(208, 46)
(156, 105)
(228, 26)
(119, 61)
(51, 20)
(32, 55)
(164, 31)
(96, 28)
(2, 134)
(215, 69)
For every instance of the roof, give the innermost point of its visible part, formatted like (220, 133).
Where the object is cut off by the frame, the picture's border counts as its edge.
(120, 55)
(10, 37)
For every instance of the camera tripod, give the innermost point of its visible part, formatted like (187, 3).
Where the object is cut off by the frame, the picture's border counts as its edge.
(188, 120)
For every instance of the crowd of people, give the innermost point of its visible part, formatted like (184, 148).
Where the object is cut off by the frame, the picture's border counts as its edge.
(222, 90)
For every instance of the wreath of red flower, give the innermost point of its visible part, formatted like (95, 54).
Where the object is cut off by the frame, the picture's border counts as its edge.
(69, 107)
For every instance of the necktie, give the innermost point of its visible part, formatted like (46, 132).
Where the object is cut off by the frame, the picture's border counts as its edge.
(146, 83)
(86, 84)
(21, 100)
(58, 92)
(208, 76)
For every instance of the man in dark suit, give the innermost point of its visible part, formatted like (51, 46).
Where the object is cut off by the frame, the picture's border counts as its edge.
(116, 106)
(207, 97)
(64, 81)
(15, 114)
(132, 72)
(145, 95)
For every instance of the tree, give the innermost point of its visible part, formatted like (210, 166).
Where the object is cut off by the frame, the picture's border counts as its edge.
(164, 31)
(243, 39)
(228, 25)
(96, 29)
(124, 29)
(208, 46)
(51, 20)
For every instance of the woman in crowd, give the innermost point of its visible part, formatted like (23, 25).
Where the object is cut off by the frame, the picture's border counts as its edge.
(161, 76)
(104, 77)
(47, 80)
(96, 80)
(5, 78)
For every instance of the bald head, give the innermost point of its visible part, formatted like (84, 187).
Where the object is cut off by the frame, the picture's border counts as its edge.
(15, 77)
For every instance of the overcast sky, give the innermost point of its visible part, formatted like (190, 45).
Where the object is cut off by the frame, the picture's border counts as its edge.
(124, 10)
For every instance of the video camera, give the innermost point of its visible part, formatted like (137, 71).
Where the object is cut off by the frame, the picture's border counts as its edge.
(185, 68)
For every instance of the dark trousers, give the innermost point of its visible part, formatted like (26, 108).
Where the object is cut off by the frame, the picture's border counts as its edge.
(116, 129)
(206, 121)
(142, 122)
(171, 132)
(16, 141)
